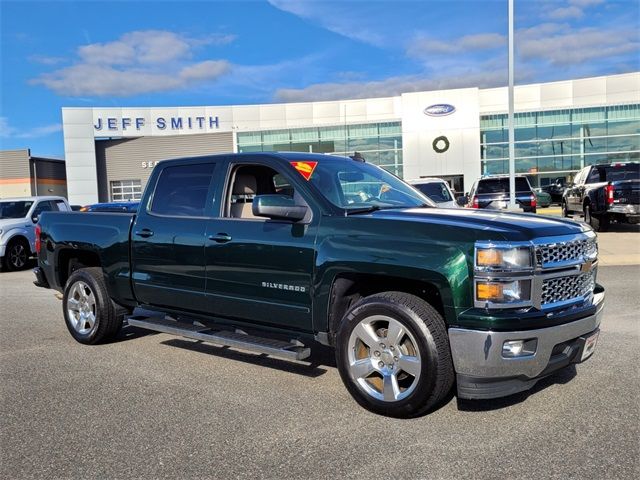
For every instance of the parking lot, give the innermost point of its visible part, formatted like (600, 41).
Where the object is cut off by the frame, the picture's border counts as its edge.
(152, 405)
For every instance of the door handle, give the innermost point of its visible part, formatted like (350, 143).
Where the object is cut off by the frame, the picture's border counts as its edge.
(220, 238)
(144, 233)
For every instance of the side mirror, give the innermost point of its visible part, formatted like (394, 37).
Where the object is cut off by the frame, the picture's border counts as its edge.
(278, 207)
(35, 218)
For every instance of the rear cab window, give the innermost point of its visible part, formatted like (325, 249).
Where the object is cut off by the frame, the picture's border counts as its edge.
(501, 185)
(618, 172)
(436, 191)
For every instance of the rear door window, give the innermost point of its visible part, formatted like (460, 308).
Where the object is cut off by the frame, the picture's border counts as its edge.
(182, 191)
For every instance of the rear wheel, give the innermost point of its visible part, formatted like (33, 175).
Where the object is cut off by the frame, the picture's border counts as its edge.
(16, 255)
(393, 354)
(597, 222)
(89, 313)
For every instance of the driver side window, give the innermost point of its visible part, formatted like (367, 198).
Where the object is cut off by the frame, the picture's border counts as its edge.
(248, 181)
(44, 206)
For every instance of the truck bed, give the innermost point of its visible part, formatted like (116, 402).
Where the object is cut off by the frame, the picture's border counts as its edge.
(105, 238)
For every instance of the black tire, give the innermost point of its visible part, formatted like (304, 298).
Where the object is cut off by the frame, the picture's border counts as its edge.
(107, 320)
(428, 329)
(565, 209)
(16, 256)
(597, 222)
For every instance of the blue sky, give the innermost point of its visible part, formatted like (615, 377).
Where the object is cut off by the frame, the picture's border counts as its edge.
(168, 53)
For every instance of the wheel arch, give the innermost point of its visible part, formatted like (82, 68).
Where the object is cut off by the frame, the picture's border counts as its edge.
(348, 287)
(69, 260)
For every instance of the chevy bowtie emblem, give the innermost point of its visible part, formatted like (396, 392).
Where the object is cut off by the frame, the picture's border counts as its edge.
(586, 267)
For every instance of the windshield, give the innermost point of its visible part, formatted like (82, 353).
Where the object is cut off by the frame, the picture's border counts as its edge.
(14, 209)
(356, 185)
(436, 191)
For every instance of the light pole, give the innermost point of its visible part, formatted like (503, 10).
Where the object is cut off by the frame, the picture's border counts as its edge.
(510, 119)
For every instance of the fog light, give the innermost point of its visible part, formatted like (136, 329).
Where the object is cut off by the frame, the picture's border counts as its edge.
(519, 348)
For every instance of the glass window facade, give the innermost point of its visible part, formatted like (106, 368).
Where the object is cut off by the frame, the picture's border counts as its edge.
(379, 143)
(560, 142)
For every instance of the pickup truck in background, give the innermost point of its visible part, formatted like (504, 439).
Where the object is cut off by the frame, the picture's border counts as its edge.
(273, 252)
(18, 218)
(605, 193)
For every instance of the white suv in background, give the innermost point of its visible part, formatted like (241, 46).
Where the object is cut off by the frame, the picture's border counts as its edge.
(18, 218)
(437, 190)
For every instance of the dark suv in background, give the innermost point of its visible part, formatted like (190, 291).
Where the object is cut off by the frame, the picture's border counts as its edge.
(493, 193)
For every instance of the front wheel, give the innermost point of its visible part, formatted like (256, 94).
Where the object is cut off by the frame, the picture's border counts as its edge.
(17, 255)
(89, 313)
(393, 354)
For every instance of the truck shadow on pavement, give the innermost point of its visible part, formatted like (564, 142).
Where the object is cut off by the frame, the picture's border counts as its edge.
(310, 367)
(558, 378)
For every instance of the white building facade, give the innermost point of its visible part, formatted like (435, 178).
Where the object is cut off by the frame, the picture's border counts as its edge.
(456, 134)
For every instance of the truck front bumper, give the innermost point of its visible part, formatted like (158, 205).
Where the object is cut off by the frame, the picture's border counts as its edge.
(483, 372)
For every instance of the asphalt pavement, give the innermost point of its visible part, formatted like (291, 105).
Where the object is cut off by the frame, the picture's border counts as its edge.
(156, 406)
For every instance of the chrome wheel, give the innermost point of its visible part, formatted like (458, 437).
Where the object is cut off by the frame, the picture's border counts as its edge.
(18, 256)
(383, 357)
(81, 308)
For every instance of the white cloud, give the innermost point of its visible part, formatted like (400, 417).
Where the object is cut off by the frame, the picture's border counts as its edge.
(561, 45)
(563, 13)
(460, 78)
(46, 60)
(138, 62)
(7, 131)
(337, 17)
(422, 46)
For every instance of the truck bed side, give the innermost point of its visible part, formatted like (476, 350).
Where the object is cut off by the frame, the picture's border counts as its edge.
(73, 239)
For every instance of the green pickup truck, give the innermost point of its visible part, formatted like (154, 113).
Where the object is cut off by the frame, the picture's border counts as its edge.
(276, 252)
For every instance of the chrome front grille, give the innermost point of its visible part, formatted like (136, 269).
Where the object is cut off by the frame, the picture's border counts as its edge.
(559, 253)
(571, 287)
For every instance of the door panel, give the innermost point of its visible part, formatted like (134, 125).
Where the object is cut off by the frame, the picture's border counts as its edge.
(263, 274)
(168, 240)
(169, 266)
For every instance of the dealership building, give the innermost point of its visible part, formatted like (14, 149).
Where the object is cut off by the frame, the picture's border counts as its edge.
(457, 134)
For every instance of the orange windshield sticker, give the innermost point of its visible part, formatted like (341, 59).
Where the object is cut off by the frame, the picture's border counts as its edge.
(305, 168)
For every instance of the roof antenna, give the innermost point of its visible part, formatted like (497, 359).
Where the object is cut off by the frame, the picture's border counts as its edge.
(357, 156)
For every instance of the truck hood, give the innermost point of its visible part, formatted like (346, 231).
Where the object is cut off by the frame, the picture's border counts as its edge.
(8, 223)
(512, 226)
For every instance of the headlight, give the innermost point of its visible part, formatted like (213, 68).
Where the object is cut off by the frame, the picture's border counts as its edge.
(508, 293)
(503, 258)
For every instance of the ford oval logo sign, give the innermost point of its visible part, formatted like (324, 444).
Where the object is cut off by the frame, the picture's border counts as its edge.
(439, 110)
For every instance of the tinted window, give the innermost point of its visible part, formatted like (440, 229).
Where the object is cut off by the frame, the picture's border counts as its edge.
(182, 191)
(14, 209)
(436, 191)
(44, 207)
(621, 171)
(501, 185)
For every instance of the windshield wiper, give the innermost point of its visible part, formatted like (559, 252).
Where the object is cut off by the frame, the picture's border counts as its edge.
(355, 211)
(373, 208)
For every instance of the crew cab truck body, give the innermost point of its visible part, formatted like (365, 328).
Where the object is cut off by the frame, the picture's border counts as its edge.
(605, 193)
(270, 252)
